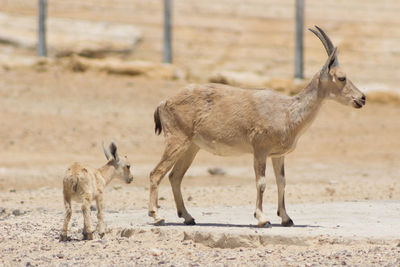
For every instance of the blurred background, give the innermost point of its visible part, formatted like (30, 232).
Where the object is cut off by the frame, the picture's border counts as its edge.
(256, 36)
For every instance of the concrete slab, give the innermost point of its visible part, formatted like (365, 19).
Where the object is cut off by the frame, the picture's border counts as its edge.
(337, 222)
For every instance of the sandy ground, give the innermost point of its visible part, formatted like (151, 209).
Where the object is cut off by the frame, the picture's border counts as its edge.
(50, 117)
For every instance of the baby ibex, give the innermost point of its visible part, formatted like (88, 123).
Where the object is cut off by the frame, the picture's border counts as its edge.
(84, 184)
(226, 120)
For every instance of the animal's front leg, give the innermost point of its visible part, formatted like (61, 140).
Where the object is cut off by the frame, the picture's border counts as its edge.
(260, 159)
(279, 170)
(100, 218)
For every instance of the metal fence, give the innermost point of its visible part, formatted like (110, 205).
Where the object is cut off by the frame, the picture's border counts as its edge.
(253, 35)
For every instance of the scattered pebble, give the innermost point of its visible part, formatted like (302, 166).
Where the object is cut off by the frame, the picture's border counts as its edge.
(60, 256)
(216, 171)
(17, 212)
(155, 252)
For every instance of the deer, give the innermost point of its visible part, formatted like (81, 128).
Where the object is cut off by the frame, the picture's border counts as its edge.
(84, 184)
(226, 121)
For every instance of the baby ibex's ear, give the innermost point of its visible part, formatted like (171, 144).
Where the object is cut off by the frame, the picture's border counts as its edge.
(105, 151)
(113, 151)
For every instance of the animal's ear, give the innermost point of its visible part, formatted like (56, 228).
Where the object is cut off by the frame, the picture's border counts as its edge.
(113, 151)
(105, 151)
(330, 62)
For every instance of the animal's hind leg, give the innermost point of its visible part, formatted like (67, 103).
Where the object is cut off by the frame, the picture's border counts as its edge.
(100, 218)
(67, 218)
(87, 231)
(175, 148)
(279, 170)
(175, 178)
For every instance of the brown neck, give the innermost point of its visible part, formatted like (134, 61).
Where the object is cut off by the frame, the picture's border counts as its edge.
(306, 105)
(107, 171)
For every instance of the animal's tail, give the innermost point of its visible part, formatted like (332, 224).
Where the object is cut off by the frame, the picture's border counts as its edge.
(71, 183)
(157, 121)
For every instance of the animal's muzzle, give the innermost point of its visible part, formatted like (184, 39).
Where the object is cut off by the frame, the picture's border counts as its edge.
(359, 103)
(129, 180)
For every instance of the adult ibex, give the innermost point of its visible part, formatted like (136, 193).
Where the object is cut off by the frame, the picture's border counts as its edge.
(227, 120)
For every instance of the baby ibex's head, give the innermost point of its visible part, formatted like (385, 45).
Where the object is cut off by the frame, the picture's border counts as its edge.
(333, 80)
(122, 166)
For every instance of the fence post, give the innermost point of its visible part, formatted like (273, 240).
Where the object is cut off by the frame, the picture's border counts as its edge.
(167, 55)
(41, 48)
(299, 64)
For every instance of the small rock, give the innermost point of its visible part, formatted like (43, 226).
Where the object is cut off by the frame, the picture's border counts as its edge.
(190, 198)
(60, 256)
(12, 190)
(127, 232)
(216, 171)
(162, 198)
(17, 212)
(93, 208)
(117, 187)
(112, 211)
(2, 210)
(155, 252)
(398, 245)
(344, 263)
(45, 248)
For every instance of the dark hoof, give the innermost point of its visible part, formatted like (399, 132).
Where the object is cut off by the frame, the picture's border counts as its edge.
(288, 223)
(87, 236)
(191, 222)
(64, 238)
(151, 213)
(266, 224)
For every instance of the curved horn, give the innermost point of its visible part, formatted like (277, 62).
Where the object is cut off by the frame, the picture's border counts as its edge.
(105, 151)
(326, 41)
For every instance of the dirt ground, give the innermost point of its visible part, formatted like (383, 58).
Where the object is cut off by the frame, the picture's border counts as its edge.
(50, 117)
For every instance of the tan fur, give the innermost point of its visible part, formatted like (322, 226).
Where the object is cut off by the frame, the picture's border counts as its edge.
(227, 120)
(84, 184)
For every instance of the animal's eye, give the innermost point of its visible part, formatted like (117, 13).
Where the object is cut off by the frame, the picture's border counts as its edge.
(342, 79)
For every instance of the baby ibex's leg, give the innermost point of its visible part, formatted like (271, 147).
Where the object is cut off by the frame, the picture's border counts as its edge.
(67, 218)
(279, 170)
(100, 218)
(87, 231)
(174, 149)
(260, 159)
(175, 178)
